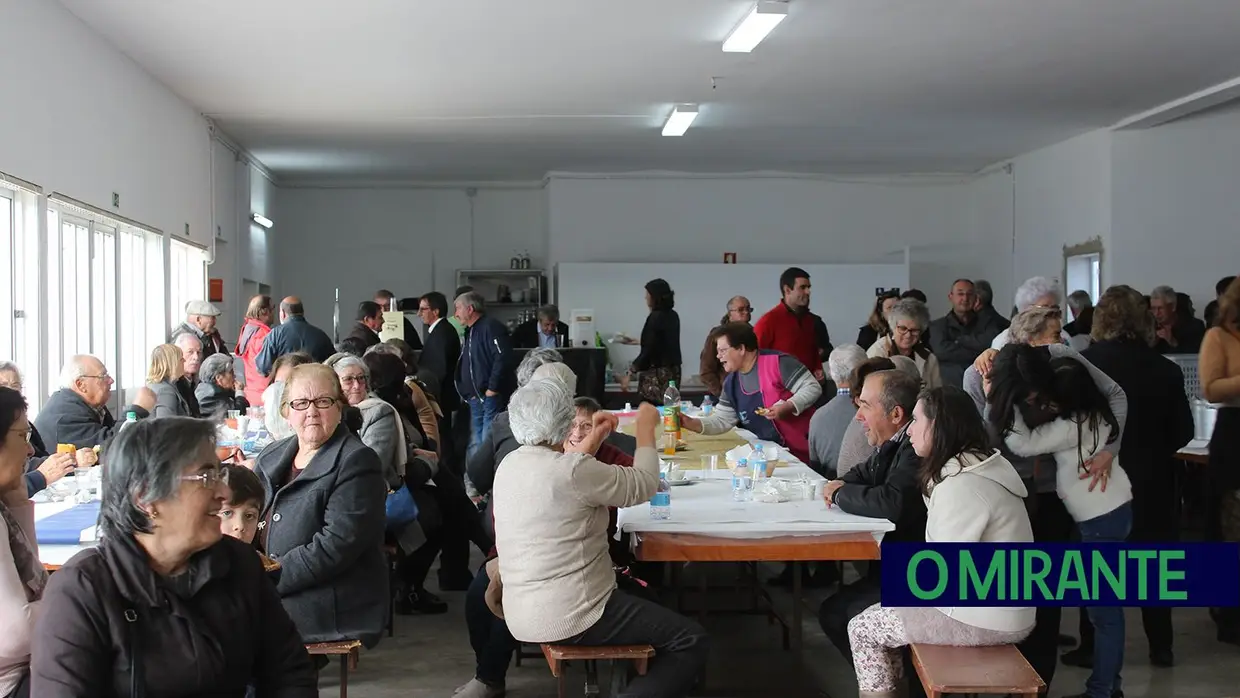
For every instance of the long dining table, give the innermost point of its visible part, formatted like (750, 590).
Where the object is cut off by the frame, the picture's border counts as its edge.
(706, 525)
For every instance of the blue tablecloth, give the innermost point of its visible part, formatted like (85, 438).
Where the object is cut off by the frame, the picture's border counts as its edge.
(65, 528)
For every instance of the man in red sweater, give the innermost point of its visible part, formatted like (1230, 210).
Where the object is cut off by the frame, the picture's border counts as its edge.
(791, 328)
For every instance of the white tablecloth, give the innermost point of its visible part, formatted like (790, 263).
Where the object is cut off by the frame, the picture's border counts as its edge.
(706, 508)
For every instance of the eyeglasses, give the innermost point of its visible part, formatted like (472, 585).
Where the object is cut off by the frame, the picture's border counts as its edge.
(423, 309)
(321, 403)
(102, 377)
(902, 330)
(26, 433)
(351, 380)
(207, 478)
(745, 309)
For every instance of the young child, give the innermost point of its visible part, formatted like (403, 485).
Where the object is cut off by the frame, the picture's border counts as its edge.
(239, 515)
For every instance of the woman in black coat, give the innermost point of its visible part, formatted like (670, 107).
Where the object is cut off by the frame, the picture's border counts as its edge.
(165, 605)
(659, 361)
(323, 519)
(1159, 423)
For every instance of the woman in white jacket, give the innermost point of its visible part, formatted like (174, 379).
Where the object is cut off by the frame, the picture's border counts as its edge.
(1045, 405)
(973, 495)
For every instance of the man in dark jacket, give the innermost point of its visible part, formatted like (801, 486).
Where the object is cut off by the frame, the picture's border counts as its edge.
(442, 351)
(1175, 331)
(200, 318)
(1159, 423)
(77, 414)
(293, 334)
(960, 336)
(546, 330)
(485, 377)
(369, 322)
(885, 487)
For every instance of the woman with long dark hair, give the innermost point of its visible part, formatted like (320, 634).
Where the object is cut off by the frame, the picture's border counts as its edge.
(1044, 405)
(973, 494)
(877, 326)
(659, 361)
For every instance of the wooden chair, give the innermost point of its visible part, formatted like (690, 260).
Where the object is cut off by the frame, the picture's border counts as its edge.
(559, 655)
(1000, 669)
(347, 650)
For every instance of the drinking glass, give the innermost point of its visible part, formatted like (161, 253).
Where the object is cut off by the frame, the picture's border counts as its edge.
(710, 465)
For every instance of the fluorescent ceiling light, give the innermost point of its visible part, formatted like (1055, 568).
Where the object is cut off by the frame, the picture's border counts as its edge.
(680, 119)
(262, 220)
(760, 21)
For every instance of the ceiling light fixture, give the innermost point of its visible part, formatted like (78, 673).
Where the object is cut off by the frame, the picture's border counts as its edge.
(262, 220)
(760, 21)
(680, 119)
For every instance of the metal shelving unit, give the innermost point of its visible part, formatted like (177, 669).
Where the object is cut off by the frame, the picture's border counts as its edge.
(512, 295)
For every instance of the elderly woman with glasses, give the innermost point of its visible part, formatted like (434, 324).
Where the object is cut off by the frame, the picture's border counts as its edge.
(323, 519)
(22, 578)
(551, 517)
(42, 468)
(165, 605)
(908, 320)
(217, 387)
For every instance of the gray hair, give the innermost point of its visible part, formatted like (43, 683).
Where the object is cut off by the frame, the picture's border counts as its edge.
(342, 362)
(472, 299)
(384, 348)
(10, 367)
(144, 464)
(910, 310)
(1031, 323)
(541, 413)
(559, 372)
(899, 390)
(1033, 289)
(74, 369)
(214, 366)
(1166, 294)
(1078, 301)
(534, 359)
(985, 293)
(550, 312)
(843, 361)
(186, 335)
(906, 366)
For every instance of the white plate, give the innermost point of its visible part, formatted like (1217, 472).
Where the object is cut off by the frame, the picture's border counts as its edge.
(679, 483)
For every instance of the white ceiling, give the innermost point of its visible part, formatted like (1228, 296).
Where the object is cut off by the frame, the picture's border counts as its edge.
(511, 89)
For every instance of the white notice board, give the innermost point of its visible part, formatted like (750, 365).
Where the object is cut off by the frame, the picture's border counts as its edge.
(843, 294)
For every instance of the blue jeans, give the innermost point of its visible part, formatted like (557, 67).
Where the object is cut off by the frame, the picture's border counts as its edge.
(1113, 526)
(481, 414)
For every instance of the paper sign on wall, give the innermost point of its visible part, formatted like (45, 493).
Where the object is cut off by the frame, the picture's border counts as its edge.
(393, 325)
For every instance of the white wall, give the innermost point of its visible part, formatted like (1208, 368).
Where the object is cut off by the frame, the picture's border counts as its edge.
(1176, 199)
(817, 221)
(80, 118)
(1063, 197)
(405, 239)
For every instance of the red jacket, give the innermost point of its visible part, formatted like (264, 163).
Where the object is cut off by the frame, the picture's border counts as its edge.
(249, 344)
(792, 333)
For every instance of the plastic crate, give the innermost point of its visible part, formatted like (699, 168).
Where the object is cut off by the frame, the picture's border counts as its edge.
(1188, 364)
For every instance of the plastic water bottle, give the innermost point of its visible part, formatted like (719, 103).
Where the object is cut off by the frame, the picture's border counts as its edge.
(661, 502)
(130, 418)
(742, 483)
(707, 405)
(757, 462)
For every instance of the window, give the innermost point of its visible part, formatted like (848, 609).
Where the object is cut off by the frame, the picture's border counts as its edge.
(104, 293)
(1085, 274)
(19, 290)
(188, 271)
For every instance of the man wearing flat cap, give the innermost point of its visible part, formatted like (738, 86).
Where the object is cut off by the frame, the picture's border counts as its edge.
(200, 319)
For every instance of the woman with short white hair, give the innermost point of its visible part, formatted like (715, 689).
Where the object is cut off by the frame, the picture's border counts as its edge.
(908, 320)
(1037, 292)
(551, 534)
(827, 427)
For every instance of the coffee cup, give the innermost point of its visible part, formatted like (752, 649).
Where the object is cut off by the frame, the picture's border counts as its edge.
(676, 474)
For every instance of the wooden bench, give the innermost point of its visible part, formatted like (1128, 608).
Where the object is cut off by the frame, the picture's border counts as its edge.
(1000, 669)
(559, 655)
(347, 650)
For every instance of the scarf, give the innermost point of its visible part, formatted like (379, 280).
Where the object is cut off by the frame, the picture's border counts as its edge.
(29, 569)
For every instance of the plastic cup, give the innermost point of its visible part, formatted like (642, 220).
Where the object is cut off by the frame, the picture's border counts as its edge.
(710, 465)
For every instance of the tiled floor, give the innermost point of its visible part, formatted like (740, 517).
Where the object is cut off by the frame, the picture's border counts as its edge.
(430, 656)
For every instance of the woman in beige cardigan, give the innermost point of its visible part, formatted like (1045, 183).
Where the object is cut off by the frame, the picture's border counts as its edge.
(551, 520)
(909, 319)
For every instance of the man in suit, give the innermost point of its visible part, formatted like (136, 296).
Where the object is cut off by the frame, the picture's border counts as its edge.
(544, 331)
(384, 298)
(369, 322)
(442, 350)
